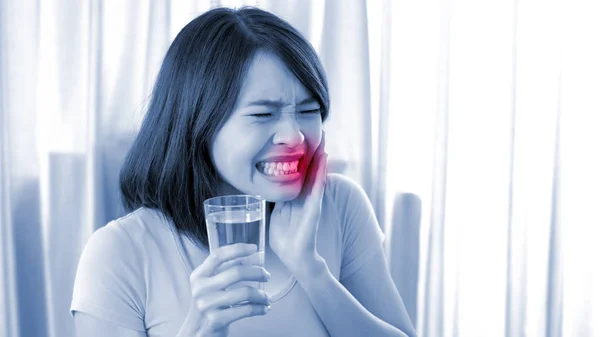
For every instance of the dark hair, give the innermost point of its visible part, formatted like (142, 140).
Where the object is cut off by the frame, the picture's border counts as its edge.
(168, 167)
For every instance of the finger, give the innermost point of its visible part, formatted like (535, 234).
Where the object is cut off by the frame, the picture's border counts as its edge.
(221, 255)
(321, 178)
(322, 144)
(218, 319)
(235, 275)
(319, 154)
(257, 258)
(313, 167)
(318, 151)
(228, 298)
(320, 174)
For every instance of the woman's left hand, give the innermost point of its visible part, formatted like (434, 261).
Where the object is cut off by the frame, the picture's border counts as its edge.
(294, 224)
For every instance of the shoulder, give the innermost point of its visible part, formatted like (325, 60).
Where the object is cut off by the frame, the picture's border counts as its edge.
(119, 253)
(125, 237)
(339, 184)
(346, 198)
(111, 280)
(342, 189)
(144, 224)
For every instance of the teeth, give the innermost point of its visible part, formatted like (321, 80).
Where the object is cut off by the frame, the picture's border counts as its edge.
(274, 172)
(278, 168)
(281, 166)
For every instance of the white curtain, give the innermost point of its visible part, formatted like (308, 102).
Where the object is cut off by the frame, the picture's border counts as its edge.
(493, 118)
(472, 125)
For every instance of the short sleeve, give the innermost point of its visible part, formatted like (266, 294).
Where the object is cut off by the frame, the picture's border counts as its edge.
(109, 283)
(361, 235)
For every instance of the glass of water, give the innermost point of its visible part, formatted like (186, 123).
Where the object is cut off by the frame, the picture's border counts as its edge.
(234, 219)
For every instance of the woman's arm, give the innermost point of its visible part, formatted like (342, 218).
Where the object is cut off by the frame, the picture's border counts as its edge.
(89, 326)
(373, 287)
(370, 306)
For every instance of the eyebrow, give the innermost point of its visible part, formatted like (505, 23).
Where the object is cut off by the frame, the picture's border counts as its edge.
(279, 104)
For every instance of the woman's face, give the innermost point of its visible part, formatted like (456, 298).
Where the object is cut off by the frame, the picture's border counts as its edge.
(266, 145)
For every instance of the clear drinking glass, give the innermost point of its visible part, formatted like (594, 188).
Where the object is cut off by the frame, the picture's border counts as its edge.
(237, 219)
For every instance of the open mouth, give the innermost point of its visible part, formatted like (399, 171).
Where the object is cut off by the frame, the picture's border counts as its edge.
(277, 169)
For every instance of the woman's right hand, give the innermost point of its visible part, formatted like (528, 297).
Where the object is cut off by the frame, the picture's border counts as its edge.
(212, 308)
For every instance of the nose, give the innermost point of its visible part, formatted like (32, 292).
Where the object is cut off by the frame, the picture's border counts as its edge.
(287, 132)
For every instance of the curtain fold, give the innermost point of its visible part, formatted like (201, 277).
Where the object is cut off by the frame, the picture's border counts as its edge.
(472, 126)
(554, 307)
(379, 21)
(345, 55)
(22, 270)
(580, 164)
(8, 290)
(434, 285)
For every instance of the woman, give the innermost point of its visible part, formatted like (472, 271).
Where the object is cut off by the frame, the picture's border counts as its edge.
(239, 92)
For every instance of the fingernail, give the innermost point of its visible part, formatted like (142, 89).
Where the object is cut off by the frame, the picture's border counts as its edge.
(267, 308)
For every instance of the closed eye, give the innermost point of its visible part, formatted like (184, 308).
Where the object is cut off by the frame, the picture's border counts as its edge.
(263, 115)
(304, 112)
(313, 111)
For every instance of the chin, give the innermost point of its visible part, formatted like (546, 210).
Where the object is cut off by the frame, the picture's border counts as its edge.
(280, 191)
(280, 196)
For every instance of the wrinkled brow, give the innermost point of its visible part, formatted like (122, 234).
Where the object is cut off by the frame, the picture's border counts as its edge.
(279, 104)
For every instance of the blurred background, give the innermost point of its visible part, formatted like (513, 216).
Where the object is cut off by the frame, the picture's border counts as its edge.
(473, 126)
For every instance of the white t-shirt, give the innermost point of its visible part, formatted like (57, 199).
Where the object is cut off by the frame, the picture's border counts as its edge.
(134, 272)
